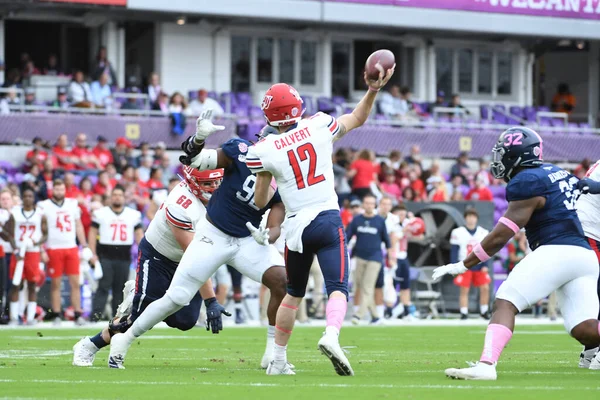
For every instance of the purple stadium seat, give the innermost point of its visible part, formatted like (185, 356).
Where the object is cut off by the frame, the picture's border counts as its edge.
(254, 128)
(244, 99)
(228, 98)
(309, 105)
(241, 112)
(529, 113)
(192, 95)
(543, 108)
(517, 111)
(339, 100)
(213, 95)
(498, 191)
(484, 111)
(325, 104)
(256, 113)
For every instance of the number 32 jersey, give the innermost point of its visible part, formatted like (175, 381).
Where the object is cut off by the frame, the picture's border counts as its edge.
(557, 222)
(61, 223)
(301, 163)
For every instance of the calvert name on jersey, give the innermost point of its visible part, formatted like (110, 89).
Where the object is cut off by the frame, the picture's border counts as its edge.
(588, 207)
(182, 210)
(304, 151)
(61, 222)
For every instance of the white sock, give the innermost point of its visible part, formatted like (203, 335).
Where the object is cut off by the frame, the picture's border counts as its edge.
(484, 308)
(152, 315)
(356, 308)
(14, 311)
(464, 310)
(332, 330)
(279, 353)
(380, 310)
(31, 309)
(270, 338)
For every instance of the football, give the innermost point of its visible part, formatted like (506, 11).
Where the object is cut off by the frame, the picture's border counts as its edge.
(381, 60)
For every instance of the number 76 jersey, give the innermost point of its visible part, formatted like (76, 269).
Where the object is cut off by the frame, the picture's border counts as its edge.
(300, 161)
(557, 222)
(61, 222)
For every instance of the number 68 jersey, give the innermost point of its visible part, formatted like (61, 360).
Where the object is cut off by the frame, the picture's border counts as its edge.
(182, 210)
(556, 222)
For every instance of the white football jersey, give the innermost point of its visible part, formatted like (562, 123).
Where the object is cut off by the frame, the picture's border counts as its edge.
(116, 229)
(465, 241)
(402, 245)
(300, 161)
(28, 224)
(4, 217)
(62, 220)
(588, 207)
(181, 209)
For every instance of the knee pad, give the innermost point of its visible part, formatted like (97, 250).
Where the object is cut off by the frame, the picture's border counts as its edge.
(119, 326)
(180, 295)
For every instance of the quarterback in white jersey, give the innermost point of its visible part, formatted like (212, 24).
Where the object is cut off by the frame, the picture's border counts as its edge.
(588, 211)
(64, 227)
(169, 234)
(462, 241)
(30, 232)
(299, 157)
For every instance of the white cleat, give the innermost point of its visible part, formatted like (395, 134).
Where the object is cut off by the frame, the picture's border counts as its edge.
(84, 353)
(586, 357)
(118, 350)
(330, 347)
(476, 372)
(280, 369)
(128, 294)
(268, 359)
(595, 364)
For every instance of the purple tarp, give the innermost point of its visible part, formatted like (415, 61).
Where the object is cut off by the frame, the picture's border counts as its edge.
(583, 9)
(441, 142)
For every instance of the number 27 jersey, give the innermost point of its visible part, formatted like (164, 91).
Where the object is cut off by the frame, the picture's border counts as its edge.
(300, 161)
(557, 222)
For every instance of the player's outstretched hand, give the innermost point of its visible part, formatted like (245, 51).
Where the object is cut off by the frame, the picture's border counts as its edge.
(448, 269)
(204, 126)
(587, 185)
(214, 315)
(384, 77)
(259, 234)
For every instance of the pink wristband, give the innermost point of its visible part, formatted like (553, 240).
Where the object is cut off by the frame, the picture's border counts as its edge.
(509, 224)
(480, 253)
(373, 90)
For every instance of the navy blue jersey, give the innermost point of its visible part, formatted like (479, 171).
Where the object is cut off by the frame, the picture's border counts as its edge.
(232, 205)
(557, 222)
(370, 232)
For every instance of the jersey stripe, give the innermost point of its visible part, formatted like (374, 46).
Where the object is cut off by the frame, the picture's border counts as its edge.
(177, 222)
(334, 127)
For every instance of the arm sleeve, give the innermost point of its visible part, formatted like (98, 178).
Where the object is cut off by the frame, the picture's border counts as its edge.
(177, 217)
(454, 253)
(384, 236)
(254, 161)
(524, 186)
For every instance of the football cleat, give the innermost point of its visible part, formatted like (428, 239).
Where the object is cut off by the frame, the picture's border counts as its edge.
(268, 359)
(84, 353)
(128, 293)
(586, 357)
(331, 349)
(118, 350)
(376, 322)
(355, 320)
(476, 372)
(280, 369)
(595, 364)
(486, 315)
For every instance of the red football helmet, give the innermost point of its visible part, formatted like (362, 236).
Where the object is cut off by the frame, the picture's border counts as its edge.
(203, 183)
(416, 226)
(282, 105)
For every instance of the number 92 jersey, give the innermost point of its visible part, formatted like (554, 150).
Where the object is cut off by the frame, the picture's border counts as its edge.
(232, 204)
(556, 222)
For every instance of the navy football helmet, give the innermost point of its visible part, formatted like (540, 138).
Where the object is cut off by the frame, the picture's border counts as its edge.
(516, 147)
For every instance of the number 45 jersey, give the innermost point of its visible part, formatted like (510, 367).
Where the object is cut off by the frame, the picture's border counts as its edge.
(556, 223)
(232, 204)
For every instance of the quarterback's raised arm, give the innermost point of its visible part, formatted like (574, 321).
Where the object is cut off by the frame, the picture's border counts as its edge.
(361, 112)
(263, 190)
(274, 221)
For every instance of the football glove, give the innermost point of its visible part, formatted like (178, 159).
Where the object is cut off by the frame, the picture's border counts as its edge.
(452, 269)
(587, 185)
(204, 127)
(261, 235)
(214, 312)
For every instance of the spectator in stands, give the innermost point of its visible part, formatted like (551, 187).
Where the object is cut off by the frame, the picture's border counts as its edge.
(120, 154)
(144, 169)
(104, 186)
(437, 189)
(65, 158)
(178, 105)
(102, 152)
(392, 104)
(72, 191)
(103, 66)
(101, 92)
(13, 78)
(61, 98)
(393, 160)
(12, 98)
(86, 191)
(390, 187)
(203, 102)
(461, 168)
(167, 171)
(48, 176)
(156, 179)
(153, 89)
(162, 103)
(456, 189)
(79, 93)
(29, 70)
(455, 103)
(342, 187)
(563, 100)
(52, 67)
(30, 97)
(484, 172)
(160, 149)
(408, 194)
(415, 156)
(132, 102)
(480, 192)
(440, 101)
(145, 151)
(363, 173)
(38, 154)
(31, 181)
(416, 183)
(86, 158)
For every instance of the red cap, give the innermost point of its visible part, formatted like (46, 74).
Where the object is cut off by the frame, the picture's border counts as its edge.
(125, 142)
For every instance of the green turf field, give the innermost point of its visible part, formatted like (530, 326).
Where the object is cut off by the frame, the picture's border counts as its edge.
(389, 362)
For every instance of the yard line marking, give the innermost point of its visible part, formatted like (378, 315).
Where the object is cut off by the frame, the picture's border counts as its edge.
(35, 354)
(437, 371)
(518, 332)
(287, 385)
